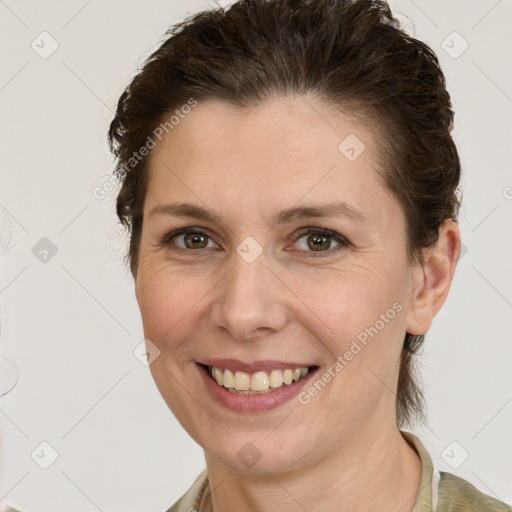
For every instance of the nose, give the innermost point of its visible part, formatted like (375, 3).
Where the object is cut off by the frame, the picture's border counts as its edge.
(250, 301)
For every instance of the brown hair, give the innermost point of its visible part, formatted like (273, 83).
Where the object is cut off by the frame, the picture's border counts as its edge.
(350, 54)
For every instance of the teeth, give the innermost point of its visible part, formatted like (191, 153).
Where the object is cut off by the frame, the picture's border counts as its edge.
(242, 381)
(256, 383)
(288, 377)
(259, 381)
(228, 380)
(217, 375)
(276, 378)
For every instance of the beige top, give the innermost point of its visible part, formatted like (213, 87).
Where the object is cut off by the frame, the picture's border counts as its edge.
(438, 491)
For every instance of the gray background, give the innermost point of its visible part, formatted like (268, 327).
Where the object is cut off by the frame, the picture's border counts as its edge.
(70, 322)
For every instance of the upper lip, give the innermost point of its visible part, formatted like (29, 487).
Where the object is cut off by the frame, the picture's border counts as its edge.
(252, 367)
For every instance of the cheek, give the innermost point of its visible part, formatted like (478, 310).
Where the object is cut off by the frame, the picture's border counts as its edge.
(167, 303)
(364, 312)
(347, 303)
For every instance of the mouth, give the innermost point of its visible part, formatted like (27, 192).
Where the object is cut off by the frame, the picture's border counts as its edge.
(257, 383)
(257, 378)
(254, 387)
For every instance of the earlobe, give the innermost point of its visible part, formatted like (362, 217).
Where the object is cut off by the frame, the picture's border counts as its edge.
(432, 281)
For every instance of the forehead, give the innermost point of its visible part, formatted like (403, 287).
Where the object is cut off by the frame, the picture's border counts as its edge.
(283, 151)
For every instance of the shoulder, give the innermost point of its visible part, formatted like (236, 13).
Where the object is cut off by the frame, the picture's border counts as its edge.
(457, 494)
(192, 498)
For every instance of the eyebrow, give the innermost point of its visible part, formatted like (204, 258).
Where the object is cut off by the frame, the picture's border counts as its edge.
(308, 211)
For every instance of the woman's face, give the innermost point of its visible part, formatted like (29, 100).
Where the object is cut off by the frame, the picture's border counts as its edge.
(252, 294)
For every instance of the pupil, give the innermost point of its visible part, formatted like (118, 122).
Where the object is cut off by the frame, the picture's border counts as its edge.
(319, 240)
(195, 238)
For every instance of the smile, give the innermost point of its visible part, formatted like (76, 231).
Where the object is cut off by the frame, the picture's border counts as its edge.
(253, 387)
(261, 382)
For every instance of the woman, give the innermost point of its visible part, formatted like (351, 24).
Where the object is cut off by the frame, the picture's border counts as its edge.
(291, 189)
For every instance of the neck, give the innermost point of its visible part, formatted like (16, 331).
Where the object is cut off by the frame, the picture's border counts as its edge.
(375, 471)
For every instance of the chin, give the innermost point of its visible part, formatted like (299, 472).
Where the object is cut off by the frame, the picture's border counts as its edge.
(257, 454)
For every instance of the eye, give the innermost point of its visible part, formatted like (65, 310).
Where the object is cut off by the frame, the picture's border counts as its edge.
(193, 238)
(319, 240)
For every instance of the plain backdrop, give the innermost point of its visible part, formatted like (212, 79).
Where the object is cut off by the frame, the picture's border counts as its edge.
(69, 319)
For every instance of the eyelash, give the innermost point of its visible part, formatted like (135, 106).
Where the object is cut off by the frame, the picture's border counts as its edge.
(342, 241)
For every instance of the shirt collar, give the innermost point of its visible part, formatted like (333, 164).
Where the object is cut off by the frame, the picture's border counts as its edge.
(427, 496)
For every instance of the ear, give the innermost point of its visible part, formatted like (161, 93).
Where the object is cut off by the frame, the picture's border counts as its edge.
(431, 281)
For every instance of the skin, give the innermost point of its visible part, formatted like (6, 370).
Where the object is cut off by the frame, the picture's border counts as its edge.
(342, 450)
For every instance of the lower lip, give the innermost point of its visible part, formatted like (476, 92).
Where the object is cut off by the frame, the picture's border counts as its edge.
(253, 403)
